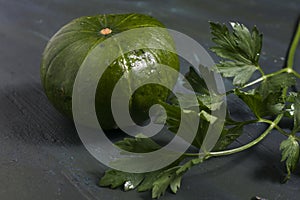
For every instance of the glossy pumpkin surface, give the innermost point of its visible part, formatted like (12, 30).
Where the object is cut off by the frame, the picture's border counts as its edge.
(69, 47)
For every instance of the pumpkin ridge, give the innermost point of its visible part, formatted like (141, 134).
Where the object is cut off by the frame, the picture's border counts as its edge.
(98, 41)
(54, 57)
(87, 22)
(105, 21)
(73, 22)
(124, 20)
(63, 33)
(142, 26)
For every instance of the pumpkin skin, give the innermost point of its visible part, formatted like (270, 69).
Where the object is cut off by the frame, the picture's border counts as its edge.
(68, 48)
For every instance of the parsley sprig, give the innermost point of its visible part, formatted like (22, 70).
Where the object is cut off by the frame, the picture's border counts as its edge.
(269, 97)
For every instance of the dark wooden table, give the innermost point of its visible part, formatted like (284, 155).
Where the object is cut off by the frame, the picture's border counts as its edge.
(41, 156)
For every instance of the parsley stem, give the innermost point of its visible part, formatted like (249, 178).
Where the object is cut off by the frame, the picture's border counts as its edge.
(294, 131)
(260, 70)
(296, 74)
(284, 70)
(293, 47)
(276, 126)
(254, 82)
(251, 144)
(277, 73)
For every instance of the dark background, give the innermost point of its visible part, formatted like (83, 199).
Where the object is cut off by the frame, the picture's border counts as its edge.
(41, 156)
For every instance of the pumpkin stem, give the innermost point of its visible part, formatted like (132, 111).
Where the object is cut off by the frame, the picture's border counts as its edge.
(105, 31)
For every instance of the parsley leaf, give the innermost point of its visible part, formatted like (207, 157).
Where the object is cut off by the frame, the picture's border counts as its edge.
(198, 84)
(175, 184)
(275, 84)
(188, 165)
(139, 144)
(172, 178)
(115, 178)
(156, 180)
(241, 49)
(259, 106)
(240, 45)
(207, 100)
(228, 136)
(240, 71)
(164, 180)
(290, 154)
(174, 119)
(148, 181)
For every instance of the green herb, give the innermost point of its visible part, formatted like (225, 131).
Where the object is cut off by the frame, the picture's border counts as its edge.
(241, 49)
(268, 98)
(290, 154)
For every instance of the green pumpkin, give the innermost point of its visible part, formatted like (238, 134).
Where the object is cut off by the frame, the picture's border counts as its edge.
(69, 47)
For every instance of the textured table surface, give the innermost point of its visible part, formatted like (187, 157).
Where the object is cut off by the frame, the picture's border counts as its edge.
(41, 156)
